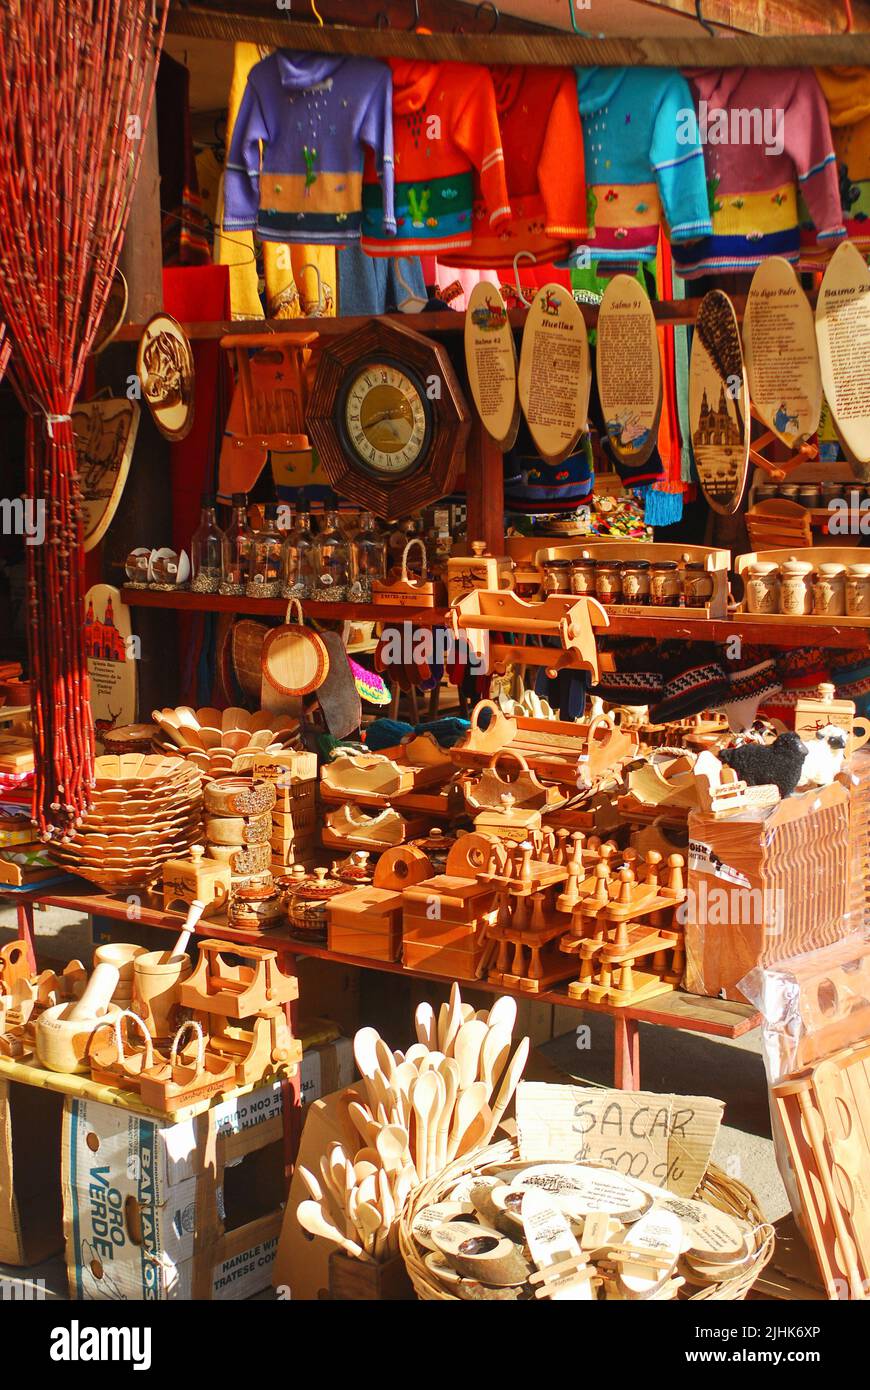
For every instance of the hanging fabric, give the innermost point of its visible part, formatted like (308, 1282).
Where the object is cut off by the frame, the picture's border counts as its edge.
(62, 221)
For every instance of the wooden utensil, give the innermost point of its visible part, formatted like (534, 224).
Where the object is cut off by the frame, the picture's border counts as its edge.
(493, 1055)
(453, 1022)
(424, 1099)
(503, 1013)
(311, 1217)
(468, 1106)
(508, 1086)
(466, 1050)
(426, 1027)
(370, 1221)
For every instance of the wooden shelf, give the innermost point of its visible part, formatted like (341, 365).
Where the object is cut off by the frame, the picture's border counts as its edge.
(187, 602)
(682, 626)
(694, 1013)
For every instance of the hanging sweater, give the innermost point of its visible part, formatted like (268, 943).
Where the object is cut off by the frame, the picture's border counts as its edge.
(637, 172)
(766, 133)
(445, 126)
(543, 153)
(847, 93)
(295, 164)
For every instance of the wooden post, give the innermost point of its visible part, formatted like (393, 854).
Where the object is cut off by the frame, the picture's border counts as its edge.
(484, 488)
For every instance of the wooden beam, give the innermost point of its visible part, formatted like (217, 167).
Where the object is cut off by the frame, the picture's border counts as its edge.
(775, 17)
(484, 489)
(438, 15)
(554, 49)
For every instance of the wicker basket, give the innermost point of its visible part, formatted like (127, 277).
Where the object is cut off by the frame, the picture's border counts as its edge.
(717, 1189)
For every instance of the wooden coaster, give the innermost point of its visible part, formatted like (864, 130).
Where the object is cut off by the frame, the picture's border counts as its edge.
(718, 404)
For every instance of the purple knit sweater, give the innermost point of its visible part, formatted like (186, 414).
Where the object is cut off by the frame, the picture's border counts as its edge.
(295, 165)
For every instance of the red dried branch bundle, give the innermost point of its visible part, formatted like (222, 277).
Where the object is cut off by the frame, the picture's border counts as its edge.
(76, 88)
(5, 350)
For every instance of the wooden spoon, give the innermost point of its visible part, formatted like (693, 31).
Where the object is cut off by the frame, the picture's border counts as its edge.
(473, 1136)
(365, 1126)
(503, 1013)
(454, 1020)
(415, 1054)
(508, 1085)
(494, 1054)
(442, 1025)
(468, 1106)
(426, 1027)
(434, 1122)
(370, 1222)
(393, 1150)
(366, 1057)
(424, 1099)
(466, 1049)
(387, 1205)
(448, 1070)
(385, 1060)
(312, 1219)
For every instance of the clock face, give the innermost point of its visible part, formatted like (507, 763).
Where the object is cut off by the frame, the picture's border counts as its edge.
(386, 420)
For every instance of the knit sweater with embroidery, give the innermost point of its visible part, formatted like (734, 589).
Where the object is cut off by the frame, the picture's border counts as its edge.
(637, 173)
(543, 153)
(847, 94)
(766, 135)
(295, 165)
(445, 127)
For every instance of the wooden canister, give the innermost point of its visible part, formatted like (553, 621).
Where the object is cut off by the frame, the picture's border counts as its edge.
(157, 977)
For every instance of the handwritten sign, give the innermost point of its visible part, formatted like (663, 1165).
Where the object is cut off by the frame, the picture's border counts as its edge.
(665, 1140)
(843, 336)
(491, 363)
(555, 376)
(718, 404)
(628, 370)
(782, 361)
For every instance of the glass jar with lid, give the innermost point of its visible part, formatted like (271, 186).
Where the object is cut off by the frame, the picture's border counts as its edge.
(557, 577)
(583, 576)
(608, 581)
(697, 584)
(665, 587)
(265, 578)
(635, 581)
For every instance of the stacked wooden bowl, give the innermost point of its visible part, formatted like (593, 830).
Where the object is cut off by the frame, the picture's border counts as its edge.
(221, 742)
(145, 809)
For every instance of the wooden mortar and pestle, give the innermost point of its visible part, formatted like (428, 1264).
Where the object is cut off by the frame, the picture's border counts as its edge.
(157, 976)
(64, 1031)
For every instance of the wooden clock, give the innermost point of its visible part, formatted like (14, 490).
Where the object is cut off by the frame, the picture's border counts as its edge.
(388, 419)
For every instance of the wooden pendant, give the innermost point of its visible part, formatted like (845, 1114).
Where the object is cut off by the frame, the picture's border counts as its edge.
(105, 436)
(718, 406)
(491, 363)
(628, 370)
(843, 337)
(164, 365)
(111, 665)
(782, 361)
(555, 375)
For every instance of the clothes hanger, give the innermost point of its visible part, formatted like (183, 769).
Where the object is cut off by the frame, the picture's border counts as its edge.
(517, 286)
(316, 14)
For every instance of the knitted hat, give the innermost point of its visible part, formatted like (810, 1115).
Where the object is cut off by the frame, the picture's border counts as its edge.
(691, 690)
(746, 690)
(853, 683)
(801, 671)
(630, 687)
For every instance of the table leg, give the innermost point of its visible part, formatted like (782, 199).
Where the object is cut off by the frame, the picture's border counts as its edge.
(291, 1086)
(26, 932)
(626, 1053)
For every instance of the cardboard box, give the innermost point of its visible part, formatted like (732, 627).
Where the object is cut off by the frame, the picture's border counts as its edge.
(31, 1216)
(326, 1069)
(160, 1211)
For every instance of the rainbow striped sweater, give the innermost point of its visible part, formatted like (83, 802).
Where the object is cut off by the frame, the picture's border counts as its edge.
(637, 173)
(766, 135)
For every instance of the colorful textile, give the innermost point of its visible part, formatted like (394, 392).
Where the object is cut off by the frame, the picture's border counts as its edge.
(847, 93)
(445, 129)
(532, 485)
(295, 165)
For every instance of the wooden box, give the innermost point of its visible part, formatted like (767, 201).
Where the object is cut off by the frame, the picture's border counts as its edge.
(360, 1280)
(367, 922)
(444, 960)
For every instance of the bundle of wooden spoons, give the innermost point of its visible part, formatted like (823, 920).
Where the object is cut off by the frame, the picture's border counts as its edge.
(412, 1113)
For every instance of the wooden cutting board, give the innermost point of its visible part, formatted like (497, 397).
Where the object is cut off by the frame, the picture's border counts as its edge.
(111, 660)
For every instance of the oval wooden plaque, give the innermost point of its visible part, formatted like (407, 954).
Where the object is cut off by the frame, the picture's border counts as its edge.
(111, 665)
(782, 361)
(555, 376)
(628, 370)
(717, 404)
(491, 363)
(843, 337)
(105, 435)
(164, 365)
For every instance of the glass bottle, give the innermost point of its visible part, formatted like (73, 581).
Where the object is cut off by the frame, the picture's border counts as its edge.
(238, 551)
(332, 558)
(206, 550)
(369, 559)
(297, 558)
(265, 578)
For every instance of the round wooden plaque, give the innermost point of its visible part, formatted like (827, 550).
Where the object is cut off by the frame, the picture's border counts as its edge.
(782, 361)
(843, 337)
(491, 363)
(718, 398)
(105, 435)
(110, 658)
(555, 376)
(164, 365)
(628, 370)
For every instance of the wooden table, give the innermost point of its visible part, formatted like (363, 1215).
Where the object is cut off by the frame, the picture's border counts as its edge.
(694, 1013)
